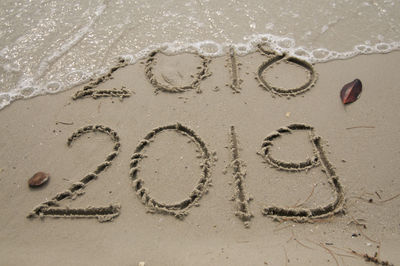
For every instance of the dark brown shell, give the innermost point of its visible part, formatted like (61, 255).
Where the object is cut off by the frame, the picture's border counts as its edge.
(38, 179)
(351, 91)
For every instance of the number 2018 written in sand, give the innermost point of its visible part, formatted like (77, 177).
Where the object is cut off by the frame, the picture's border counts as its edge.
(52, 207)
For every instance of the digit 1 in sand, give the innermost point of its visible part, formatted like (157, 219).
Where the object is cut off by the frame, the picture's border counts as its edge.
(234, 69)
(240, 196)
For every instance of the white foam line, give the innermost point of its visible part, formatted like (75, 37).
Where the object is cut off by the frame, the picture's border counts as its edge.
(281, 44)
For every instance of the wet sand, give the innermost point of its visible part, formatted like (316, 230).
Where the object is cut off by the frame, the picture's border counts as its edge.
(190, 182)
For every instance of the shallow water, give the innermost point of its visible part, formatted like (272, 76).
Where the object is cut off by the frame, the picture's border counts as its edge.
(50, 46)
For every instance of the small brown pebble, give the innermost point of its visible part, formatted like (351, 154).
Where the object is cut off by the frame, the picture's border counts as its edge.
(38, 179)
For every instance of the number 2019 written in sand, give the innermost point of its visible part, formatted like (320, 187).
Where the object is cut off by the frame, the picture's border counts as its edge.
(52, 208)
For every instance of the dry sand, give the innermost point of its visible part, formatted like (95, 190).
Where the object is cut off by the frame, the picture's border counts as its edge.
(360, 141)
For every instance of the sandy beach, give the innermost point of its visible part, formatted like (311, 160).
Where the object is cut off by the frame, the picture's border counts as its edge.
(177, 178)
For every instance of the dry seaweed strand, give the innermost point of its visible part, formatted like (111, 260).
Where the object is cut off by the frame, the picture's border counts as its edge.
(179, 209)
(64, 123)
(359, 226)
(389, 199)
(360, 127)
(367, 237)
(274, 58)
(240, 196)
(293, 237)
(299, 242)
(360, 197)
(304, 201)
(370, 200)
(203, 73)
(51, 208)
(379, 196)
(373, 259)
(89, 90)
(281, 228)
(286, 256)
(335, 252)
(304, 214)
(234, 70)
(330, 252)
(359, 222)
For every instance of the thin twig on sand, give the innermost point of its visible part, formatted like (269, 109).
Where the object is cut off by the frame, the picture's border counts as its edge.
(360, 127)
(309, 196)
(64, 123)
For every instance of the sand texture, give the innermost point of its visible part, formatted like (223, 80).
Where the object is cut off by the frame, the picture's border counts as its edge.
(190, 160)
